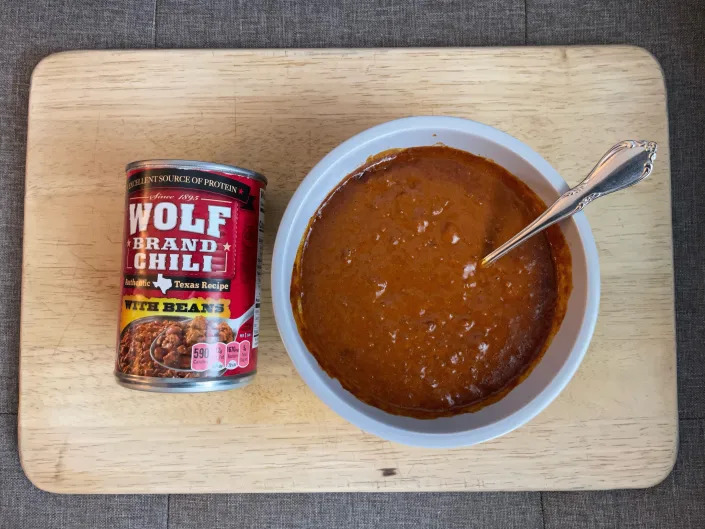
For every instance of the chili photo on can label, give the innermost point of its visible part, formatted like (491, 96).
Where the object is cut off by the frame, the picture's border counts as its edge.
(190, 303)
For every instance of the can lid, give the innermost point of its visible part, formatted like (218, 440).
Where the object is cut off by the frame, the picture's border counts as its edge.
(195, 164)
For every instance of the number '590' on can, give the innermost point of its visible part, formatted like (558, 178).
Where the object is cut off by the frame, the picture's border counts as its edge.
(192, 257)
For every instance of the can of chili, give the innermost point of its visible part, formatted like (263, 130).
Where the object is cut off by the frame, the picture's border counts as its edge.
(192, 256)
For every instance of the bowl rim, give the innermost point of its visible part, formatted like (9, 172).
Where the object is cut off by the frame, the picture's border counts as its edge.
(281, 277)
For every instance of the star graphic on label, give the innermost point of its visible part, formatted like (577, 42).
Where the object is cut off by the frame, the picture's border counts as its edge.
(226, 247)
(129, 243)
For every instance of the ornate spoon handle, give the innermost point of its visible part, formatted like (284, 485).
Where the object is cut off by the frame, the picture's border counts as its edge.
(625, 164)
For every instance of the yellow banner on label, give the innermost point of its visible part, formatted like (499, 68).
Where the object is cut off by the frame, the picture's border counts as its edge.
(136, 307)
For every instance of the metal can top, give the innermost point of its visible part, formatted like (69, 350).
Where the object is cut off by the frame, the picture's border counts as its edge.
(195, 164)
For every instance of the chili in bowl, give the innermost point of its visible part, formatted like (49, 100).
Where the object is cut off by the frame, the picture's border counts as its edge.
(380, 299)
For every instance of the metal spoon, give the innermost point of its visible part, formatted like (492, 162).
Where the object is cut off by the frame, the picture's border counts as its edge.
(625, 164)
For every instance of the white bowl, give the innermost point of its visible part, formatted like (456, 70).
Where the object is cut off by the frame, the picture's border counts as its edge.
(568, 346)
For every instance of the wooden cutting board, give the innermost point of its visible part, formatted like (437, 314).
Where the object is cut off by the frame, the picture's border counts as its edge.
(279, 112)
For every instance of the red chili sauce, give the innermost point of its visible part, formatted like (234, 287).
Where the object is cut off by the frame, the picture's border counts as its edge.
(389, 296)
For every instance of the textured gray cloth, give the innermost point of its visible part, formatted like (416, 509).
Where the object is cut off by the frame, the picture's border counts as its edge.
(359, 511)
(350, 23)
(673, 31)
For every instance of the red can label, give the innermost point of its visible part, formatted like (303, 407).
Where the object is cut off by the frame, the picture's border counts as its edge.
(191, 272)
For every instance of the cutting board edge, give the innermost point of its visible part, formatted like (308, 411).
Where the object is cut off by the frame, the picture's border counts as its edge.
(62, 55)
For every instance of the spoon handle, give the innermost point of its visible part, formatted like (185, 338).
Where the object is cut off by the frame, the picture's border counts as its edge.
(625, 164)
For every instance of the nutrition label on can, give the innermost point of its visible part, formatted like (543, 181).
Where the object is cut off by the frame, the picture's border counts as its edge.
(258, 287)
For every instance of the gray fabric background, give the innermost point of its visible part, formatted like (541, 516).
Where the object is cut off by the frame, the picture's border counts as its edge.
(672, 31)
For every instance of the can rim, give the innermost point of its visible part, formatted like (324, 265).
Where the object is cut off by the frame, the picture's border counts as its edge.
(196, 164)
(183, 385)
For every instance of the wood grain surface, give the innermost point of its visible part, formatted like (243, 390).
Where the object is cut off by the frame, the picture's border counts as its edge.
(279, 112)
